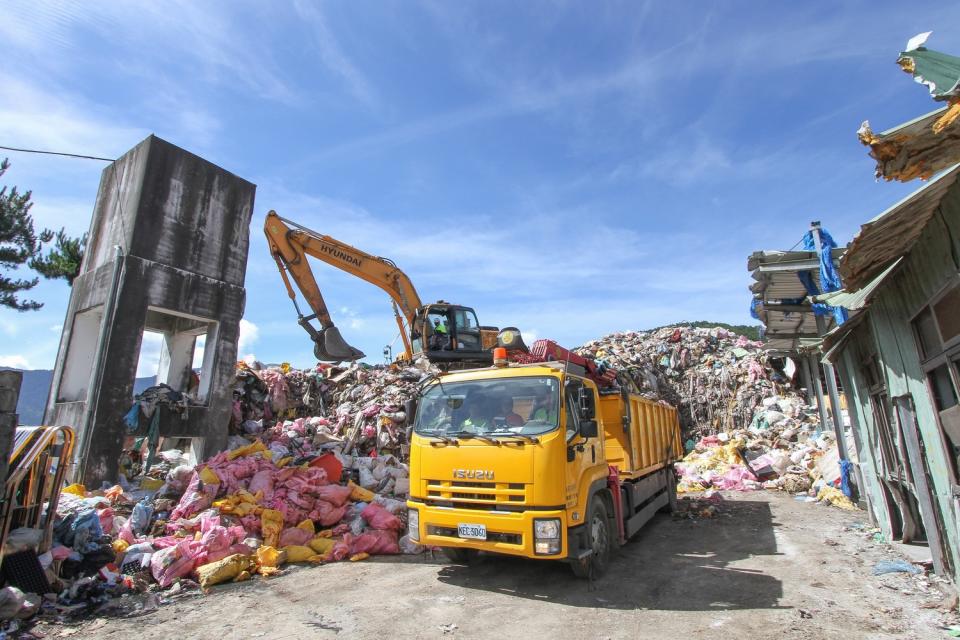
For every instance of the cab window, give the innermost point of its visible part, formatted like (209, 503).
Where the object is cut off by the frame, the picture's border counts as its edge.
(572, 409)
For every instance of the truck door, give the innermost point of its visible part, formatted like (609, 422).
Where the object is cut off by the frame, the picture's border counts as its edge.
(583, 454)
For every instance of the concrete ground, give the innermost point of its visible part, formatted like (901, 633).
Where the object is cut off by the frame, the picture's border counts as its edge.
(766, 566)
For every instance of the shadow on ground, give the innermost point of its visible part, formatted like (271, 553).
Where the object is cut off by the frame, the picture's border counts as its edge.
(682, 565)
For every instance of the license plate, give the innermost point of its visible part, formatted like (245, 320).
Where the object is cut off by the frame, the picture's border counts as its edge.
(473, 531)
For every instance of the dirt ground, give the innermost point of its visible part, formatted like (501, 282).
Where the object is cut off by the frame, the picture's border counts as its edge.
(766, 566)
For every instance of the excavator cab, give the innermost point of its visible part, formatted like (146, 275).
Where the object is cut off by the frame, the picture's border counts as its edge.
(448, 333)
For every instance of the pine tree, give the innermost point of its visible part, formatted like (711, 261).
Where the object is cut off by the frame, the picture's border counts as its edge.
(64, 260)
(18, 245)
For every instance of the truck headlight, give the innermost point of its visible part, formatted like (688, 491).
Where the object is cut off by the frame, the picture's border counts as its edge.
(413, 524)
(546, 536)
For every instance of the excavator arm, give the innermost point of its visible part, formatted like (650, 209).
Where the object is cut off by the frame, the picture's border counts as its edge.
(290, 243)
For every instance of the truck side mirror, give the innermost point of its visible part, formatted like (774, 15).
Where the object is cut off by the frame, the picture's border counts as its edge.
(587, 402)
(588, 428)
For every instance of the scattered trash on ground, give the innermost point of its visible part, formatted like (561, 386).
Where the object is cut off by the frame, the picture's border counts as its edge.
(895, 566)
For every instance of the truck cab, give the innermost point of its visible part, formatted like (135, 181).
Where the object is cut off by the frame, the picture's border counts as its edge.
(518, 460)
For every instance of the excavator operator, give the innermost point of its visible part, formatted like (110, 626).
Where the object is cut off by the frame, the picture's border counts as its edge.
(439, 339)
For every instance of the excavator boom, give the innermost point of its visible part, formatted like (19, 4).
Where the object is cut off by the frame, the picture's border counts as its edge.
(290, 243)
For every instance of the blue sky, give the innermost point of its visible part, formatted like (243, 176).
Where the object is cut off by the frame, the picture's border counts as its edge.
(569, 168)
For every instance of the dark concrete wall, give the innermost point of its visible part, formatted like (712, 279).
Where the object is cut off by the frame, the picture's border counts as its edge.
(183, 224)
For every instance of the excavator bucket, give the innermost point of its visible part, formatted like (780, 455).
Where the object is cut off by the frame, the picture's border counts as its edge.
(331, 347)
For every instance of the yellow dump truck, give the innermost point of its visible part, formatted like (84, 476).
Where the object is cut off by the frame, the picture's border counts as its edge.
(536, 460)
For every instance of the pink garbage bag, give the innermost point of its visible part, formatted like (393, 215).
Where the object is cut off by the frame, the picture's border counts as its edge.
(174, 562)
(379, 518)
(335, 494)
(262, 481)
(295, 536)
(374, 543)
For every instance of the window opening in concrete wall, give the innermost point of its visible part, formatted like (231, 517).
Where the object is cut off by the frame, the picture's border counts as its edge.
(149, 360)
(182, 361)
(81, 353)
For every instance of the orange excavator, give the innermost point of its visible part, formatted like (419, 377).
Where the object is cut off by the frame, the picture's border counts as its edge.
(447, 334)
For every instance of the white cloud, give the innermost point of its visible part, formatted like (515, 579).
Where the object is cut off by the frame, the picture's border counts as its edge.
(56, 328)
(55, 119)
(14, 361)
(331, 52)
(249, 334)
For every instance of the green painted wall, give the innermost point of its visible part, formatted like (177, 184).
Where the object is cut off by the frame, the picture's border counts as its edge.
(931, 264)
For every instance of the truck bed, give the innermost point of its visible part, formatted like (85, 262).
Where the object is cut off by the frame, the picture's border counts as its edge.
(649, 442)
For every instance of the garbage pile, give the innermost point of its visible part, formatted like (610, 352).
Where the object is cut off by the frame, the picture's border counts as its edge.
(314, 473)
(746, 428)
(360, 409)
(782, 449)
(714, 377)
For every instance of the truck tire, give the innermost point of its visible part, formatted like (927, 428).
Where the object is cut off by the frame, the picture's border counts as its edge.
(600, 539)
(671, 505)
(461, 556)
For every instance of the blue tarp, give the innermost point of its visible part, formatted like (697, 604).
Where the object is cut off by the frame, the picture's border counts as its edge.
(829, 276)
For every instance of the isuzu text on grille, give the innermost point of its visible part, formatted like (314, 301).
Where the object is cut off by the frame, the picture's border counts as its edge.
(473, 474)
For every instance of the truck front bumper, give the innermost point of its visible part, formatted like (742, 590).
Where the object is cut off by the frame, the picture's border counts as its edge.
(508, 532)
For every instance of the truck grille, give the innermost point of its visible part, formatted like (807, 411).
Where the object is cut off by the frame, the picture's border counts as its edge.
(476, 495)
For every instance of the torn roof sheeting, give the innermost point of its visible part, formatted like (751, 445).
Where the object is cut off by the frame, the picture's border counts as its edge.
(893, 233)
(854, 300)
(930, 143)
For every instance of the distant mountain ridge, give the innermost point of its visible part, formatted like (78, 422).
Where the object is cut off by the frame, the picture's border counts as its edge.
(36, 387)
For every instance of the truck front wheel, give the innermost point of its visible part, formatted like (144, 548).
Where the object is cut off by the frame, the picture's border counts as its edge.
(600, 540)
(461, 556)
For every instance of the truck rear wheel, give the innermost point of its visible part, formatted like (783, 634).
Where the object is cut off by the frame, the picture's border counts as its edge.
(671, 505)
(461, 556)
(600, 539)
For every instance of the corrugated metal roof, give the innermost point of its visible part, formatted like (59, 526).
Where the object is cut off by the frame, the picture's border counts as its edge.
(893, 233)
(791, 326)
(775, 273)
(858, 299)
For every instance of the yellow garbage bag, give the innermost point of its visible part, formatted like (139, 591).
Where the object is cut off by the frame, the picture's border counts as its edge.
(271, 524)
(269, 560)
(75, 490)
(249, 450)
(835, 497)
(363, 555)
(321, 545)
(307, 525)
(119, 546)
(151, 484)
(208, 476)
(222, 570)
(299, 553)
(359, 494)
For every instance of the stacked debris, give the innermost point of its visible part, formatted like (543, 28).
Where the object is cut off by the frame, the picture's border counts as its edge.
(714, 377)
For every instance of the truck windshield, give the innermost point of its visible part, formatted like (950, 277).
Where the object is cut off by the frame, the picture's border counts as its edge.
(521, 406)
